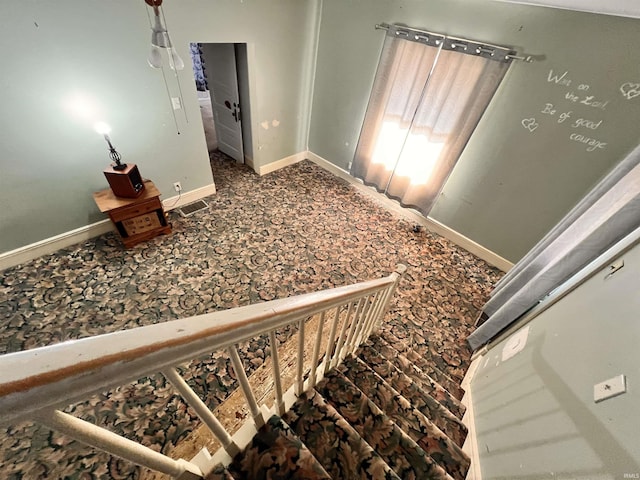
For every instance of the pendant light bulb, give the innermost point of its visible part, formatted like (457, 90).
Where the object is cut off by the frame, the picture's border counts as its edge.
(155, 57)
(176, 61)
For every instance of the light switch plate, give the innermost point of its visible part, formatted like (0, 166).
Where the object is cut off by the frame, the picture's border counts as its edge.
(609, 388)
(175, 101)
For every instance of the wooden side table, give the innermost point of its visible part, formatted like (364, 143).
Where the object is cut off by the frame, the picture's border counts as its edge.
(136, 219)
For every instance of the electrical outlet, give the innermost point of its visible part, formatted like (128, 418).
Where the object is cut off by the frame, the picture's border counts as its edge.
(177, 186)
(610, 388)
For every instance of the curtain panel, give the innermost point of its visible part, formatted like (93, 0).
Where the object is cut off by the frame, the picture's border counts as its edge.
(608, 213)
(425, 103)
(402, 73)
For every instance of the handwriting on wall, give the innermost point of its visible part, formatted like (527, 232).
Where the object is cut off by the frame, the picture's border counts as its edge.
(578, 111)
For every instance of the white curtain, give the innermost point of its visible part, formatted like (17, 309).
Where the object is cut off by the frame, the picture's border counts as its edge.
(424, 106)
(603, 217)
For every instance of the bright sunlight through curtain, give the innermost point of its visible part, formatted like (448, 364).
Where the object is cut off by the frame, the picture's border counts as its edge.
(425, 103)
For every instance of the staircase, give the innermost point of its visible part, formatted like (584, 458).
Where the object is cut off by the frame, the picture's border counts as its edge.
(378, 415)
(347, 402)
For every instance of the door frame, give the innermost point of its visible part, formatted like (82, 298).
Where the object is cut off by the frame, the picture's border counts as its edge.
(248, 106)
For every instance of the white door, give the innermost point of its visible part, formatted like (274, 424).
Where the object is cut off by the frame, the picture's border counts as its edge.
(220, 64)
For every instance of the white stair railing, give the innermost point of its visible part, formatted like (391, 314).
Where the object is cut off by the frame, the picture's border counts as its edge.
(35, 384)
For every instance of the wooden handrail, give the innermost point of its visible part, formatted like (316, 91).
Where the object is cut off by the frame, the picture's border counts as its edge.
(57, 375)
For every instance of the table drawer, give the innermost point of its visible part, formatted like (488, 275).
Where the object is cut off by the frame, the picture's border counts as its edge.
(135, 210)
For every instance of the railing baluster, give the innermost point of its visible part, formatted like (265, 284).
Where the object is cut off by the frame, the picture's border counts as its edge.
(114, 444)
(246, 387)
(316, 352)
(371, 304)
(332, 338)
(276, 372)
(379, 311)
(397, 276)
(299, 388)
(373, 315)
(342, 337)
(363, 320)
(201, 409)
(362, 305)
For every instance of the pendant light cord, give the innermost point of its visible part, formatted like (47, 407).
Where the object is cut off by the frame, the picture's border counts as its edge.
(175, 71)
(164, 78)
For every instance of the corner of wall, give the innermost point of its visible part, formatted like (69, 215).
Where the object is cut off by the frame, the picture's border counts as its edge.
(283, 162)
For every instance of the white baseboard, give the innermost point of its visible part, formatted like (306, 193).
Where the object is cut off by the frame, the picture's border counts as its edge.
(66, 239)
(191, 196)
(470, 446)
(52, 244)
(415, 216)
(284, 162)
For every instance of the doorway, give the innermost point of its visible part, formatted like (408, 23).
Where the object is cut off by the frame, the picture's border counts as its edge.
(222, 79)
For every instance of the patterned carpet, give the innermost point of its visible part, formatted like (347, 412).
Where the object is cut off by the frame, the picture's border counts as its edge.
(365, 420)
(296, 230)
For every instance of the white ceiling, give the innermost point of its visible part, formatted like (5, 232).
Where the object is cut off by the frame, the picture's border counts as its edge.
(624, 8)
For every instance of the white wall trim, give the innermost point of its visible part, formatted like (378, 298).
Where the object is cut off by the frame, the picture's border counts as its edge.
(82, 234)
(470, 446)
(622, 8)
(52, 244)
(415, 216)
(283, 162)
(189, 197)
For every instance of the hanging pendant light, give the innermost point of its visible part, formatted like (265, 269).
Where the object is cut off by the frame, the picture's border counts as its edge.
(160, 40)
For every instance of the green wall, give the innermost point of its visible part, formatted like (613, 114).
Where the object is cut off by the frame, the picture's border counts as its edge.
(511, 185)
(51, 162)
(508, 189)
(534, 413)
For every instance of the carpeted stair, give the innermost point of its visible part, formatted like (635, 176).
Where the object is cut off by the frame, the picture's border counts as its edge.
(385, 413)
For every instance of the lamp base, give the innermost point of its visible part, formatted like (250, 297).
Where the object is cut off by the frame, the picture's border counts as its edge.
(125, 182)
(119, 166)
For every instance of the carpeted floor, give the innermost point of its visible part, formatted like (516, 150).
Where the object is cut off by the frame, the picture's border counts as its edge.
(297, 230)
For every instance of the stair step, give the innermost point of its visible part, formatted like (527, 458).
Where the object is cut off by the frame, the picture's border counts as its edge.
(395, 447)
(452, 369)
(395, 376)
(276, 453)
(433, 409)
(422, 430)
(219, 473)
(335, 443)
(451, 384)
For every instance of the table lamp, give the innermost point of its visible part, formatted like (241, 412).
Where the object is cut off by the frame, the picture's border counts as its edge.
(124, 179)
